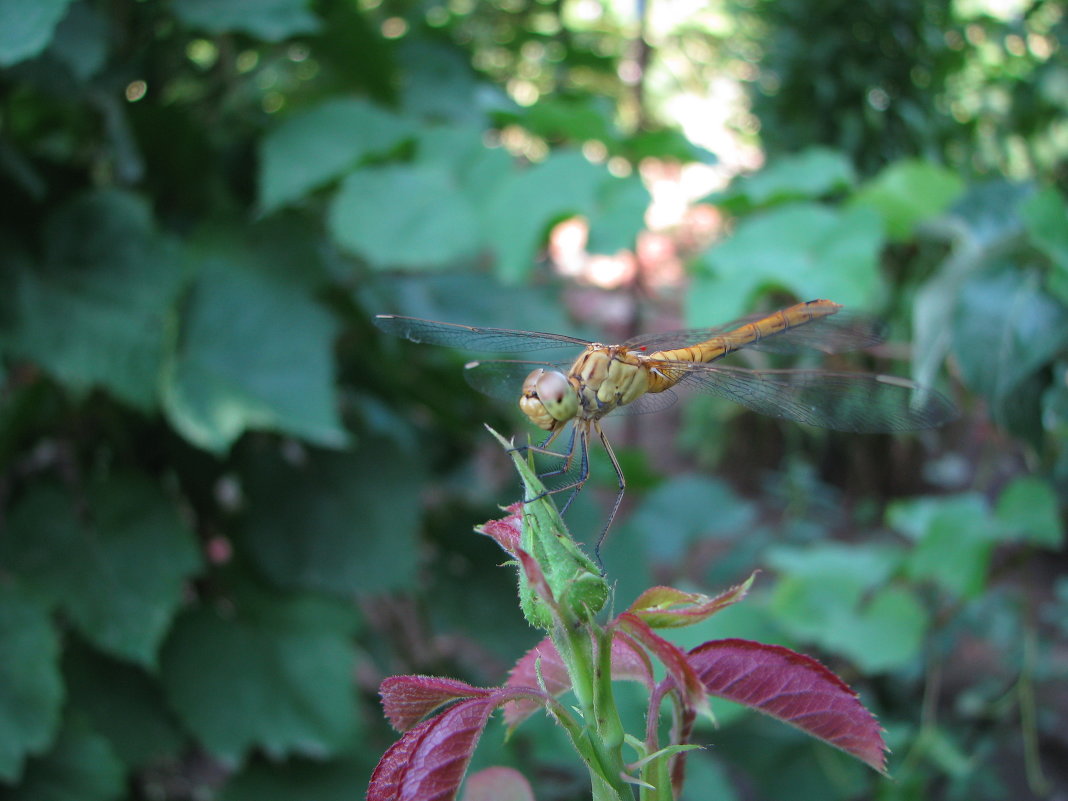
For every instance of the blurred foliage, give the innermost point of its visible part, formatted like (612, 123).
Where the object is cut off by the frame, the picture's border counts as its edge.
(228, 508)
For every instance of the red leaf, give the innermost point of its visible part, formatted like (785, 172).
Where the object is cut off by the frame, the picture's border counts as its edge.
(507, 530)
(428, 762)
(794, 688)
(543, 658)
(629, 662)
(498, 784)
(675, 660)
(667, 607)
(408, 699)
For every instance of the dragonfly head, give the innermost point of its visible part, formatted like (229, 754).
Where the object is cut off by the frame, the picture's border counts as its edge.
(548, 399)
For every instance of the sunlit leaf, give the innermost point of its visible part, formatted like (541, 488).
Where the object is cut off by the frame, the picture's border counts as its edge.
(810, 174)
(906, 193)
(793, 688)
(31, 690)
(404, 216)
(321, 144)
(804, 248)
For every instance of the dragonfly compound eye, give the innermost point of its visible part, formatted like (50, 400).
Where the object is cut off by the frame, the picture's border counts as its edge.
(557, 395)
(548, 399)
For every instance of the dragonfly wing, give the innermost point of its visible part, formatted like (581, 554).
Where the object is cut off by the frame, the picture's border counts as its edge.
(856, 402)
(843, 331)
(453, 335)
(503, 379)
(649, 402)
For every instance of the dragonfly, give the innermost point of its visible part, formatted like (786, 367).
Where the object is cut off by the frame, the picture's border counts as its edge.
(642, 373)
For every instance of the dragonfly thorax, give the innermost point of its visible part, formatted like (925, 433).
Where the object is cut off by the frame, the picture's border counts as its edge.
(548, 399)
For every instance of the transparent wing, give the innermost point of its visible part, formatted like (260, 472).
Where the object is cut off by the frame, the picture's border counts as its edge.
(503, 379)
(857, 402)
(842, 331)
(497, 340)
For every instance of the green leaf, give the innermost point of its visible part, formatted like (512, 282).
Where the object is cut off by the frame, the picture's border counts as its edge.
(807, 249)
(1006, 329)
(254, 355)
(28, 27)
(270, 20)
(808, 175)
(316, 146)
(81, 41)
(124, 704)
(518, 213)
(677, 513)
(404, 216)
(909, 192)
(619, 215)
(96, 313)
(886, 633)
(80, 767)
(340, 523)
(31, 690)
(1045, 215)
(955, 541)
(118, 573)
(297, 778)
(1028, 510)
(276, 676)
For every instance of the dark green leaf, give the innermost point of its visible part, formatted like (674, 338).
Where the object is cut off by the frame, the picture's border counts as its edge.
(1046, 217)
(79, 767)
(112, 281)
(124, 704)
(341, 523)
(1027, 510)
(81, 41)
(687, 508)
(298, 778)
(907, 193)
(253, 355)
(314, 147)
(270, 20)
(31, 689)
(276, 679)
(1004, 330)
(119, 575)
(807, 249)
(404, 216)
(28, 27)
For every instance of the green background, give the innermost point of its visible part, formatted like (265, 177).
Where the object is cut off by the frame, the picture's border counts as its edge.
(229, 506)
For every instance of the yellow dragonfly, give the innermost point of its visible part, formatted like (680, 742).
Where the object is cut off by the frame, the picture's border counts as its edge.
(640, 374)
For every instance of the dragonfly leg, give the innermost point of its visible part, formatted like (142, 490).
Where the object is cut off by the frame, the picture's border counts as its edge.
(619, 494)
